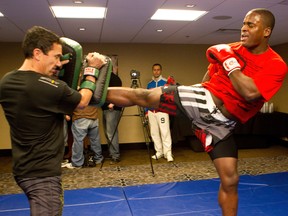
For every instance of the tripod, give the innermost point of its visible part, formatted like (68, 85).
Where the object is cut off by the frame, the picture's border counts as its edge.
(146, 131)
(145, 124)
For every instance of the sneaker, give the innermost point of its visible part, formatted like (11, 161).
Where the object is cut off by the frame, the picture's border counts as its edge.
(70, 166)
(169, 158)
(90, 162)
(157, 156)
(114, 161)
(64, 162)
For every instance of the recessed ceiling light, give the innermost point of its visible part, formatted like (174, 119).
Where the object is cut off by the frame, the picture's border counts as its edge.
(79, 12)
(78, 2)
(82, 29)
(1, 15)
(159, 30)
(177, 15)
(190, 5)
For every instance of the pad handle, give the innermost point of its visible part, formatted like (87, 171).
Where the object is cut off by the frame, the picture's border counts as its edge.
(70, 72)
(102, 84)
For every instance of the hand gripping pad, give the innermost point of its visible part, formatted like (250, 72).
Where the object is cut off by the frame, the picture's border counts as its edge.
(102, 84)
(70, 72)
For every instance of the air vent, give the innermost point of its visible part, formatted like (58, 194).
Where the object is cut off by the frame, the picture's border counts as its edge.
(228, 31)
(285, 2)
(222, 17)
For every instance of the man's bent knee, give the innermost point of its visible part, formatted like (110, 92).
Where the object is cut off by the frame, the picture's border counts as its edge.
(230, 183)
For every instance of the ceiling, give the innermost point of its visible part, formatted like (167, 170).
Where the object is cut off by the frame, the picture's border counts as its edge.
(128, 21)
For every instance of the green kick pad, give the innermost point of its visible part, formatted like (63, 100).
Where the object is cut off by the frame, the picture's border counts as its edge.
(70, 72)
(102, 84)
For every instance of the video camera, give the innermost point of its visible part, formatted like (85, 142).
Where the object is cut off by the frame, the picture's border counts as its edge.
(135, 74)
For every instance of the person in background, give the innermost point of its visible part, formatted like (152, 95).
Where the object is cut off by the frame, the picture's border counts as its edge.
(34, 103)
(66, 136)
(241, 77)
(159, 121)
(111, 117)
(85, 123)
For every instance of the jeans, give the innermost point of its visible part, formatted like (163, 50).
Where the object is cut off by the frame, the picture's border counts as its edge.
(110, 121)
(80, 129)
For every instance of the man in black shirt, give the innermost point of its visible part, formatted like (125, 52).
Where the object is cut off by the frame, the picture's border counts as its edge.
(35, 103)
(111, 116)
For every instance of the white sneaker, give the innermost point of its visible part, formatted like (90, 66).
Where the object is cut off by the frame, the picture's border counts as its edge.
(70, 166)
(157, 156)
(64, 162)
(169, 158)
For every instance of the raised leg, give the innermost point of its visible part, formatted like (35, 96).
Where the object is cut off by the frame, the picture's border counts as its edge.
(124, 96)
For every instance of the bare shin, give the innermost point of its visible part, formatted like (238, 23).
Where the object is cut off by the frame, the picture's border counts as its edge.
(124, 96)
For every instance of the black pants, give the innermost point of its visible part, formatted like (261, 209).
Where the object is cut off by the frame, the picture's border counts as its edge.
(45, 195)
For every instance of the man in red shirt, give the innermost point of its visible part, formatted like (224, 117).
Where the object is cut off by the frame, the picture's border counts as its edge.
(241, 77)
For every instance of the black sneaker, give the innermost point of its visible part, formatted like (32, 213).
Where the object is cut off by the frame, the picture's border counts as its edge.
(90, 162)
(114, 161)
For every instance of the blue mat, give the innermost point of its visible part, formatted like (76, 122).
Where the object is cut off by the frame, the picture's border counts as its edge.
(262, 195)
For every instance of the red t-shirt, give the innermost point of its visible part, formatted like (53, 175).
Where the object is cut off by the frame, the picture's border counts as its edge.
(268, 71)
